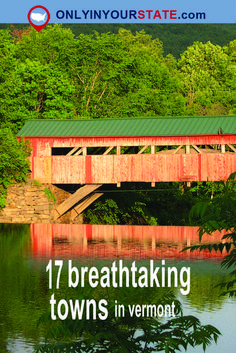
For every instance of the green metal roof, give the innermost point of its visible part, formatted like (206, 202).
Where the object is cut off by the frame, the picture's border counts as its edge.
(156, 126)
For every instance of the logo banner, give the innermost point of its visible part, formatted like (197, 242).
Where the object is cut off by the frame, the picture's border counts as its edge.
(91, 11)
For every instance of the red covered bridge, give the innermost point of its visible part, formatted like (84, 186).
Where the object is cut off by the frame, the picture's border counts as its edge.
(111, 151)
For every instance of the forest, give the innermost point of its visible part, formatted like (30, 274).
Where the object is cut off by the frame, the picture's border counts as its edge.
(58, 74)
(175, 37)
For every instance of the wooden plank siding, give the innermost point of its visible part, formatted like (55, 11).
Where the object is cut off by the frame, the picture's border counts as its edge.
(42, 145)
(106, 169)
(165, 166)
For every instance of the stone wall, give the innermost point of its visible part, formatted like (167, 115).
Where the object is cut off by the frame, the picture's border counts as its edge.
(29, 203)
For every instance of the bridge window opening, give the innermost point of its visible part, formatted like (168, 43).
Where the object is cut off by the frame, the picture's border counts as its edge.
(138, 149)
(163, 148)
(129, 149)
(112, 150)
(97, 151)
(175, 147)
(208, 147)
(160, 148)
(151, 149)
(100, 151)
(214, 148)
(170, 149)
(61, 151)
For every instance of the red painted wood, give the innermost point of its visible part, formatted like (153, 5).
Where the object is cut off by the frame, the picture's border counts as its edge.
(119, 241)
(43, 145)
(130, 168)
(134, 168)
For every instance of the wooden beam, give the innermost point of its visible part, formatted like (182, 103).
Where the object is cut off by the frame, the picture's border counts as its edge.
(108, 150)
(197, 149)
(222, 148)
(69, 203)
(143, 149)
(232, 148)
(187, 149)
(78, 152)
(177, 149)
(72, 151)
(77, 210)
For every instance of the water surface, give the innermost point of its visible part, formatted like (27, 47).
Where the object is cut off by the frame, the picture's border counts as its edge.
(26, 250)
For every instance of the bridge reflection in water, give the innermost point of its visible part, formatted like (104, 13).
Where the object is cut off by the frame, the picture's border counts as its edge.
(109, 241)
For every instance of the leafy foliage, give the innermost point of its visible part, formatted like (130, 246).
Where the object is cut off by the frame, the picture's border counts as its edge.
(170, 337)
(14, 165)
(209, 79)
(121, 209)
(55, 75)
(219, 214)
(175, 37)
(50, 195)
(129, 334)
(138, 205)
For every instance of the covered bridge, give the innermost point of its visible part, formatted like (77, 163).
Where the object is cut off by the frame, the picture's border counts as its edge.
(111, 151)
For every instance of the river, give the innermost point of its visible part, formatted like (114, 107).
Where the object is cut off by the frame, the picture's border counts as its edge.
(25, 294)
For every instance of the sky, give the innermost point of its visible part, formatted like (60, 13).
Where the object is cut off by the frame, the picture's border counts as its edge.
(148, 11)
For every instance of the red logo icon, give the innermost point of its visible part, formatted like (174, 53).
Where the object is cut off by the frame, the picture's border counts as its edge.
(38, 17)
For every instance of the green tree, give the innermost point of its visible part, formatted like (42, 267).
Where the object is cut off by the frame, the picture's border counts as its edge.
(209, 79)
(36, 81)
(52, 74)
(14, 163)
(219, 214)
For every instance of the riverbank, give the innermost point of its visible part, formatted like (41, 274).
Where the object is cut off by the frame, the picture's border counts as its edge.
(33, 202)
